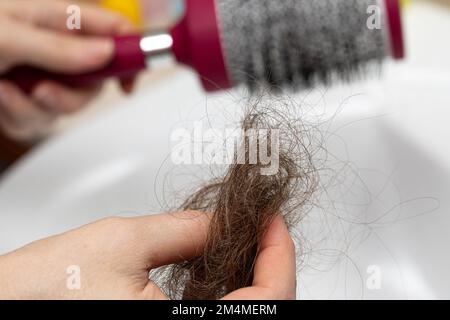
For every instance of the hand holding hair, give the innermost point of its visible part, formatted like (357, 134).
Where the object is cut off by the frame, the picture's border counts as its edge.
(115, 256)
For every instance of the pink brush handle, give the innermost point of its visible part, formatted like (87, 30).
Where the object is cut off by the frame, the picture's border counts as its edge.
(128, 60)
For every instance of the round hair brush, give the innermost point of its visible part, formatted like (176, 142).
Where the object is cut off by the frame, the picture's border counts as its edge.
(283, 43)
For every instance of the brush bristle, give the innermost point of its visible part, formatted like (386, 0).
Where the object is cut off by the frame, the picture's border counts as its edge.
(299, 43)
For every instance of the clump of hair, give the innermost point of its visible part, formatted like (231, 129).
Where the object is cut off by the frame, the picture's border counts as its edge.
(244, 202)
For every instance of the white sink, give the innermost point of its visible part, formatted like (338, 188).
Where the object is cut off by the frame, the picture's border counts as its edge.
(386, 201)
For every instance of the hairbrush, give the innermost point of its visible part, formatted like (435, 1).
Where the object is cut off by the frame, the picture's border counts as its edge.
(283, 43)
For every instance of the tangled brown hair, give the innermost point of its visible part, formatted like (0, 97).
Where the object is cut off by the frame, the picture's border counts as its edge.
(244, 202)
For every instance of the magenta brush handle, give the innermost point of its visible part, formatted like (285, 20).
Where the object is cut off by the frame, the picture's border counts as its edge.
(127, 61)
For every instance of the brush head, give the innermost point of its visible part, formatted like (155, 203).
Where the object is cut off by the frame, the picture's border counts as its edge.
(300, 43)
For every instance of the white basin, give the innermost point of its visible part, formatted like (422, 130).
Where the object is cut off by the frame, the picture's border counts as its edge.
(385, 201)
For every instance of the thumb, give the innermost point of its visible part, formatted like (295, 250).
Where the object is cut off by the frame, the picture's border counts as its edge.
(174, 237)
(55, 51)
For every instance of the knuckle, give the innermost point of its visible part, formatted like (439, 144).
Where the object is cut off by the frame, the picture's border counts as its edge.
(112, 222)
(118, 226)
(123, 228)
(116, 231)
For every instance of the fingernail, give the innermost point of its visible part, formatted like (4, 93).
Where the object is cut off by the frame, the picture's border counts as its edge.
(46, 97)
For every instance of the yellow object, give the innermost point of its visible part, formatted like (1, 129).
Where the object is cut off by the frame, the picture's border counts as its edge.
(405, 2)
(130, 8)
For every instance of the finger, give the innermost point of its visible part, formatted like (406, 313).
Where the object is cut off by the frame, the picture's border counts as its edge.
(169, 238)
(277, 245)
(58, 99)
(96, 20)
(275, 270)
(56, 14)
(54, 51)
(21, 118)
(178, 237)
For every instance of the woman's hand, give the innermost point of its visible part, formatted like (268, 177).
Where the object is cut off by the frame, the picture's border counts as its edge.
(113, 257)
(34, 32)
